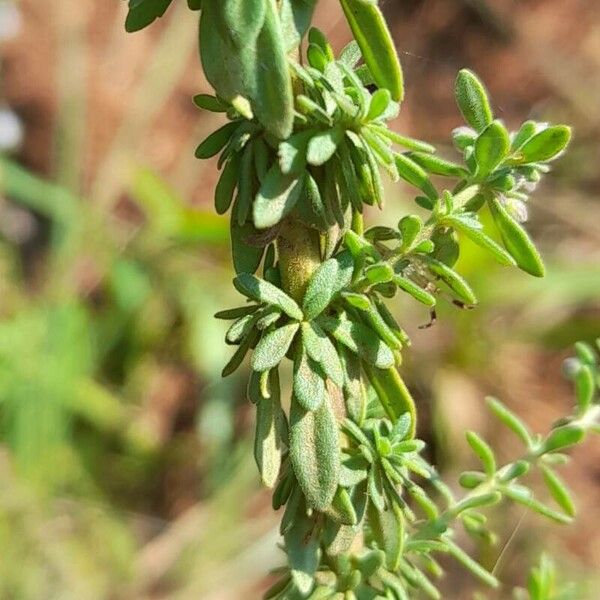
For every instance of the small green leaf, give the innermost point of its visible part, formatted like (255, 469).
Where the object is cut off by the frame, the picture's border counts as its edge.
(322, 146)
(387, 528)
(273, 347)
(516, 240)
(292, 152)
(262, 291)
(240, 353)
(379, 273)
(558, 490)
(321, 349)
(361, 340)
(452, 279)
(308, 384)
(271, 433)
(546, 145)
(210, 103)
(317, 37)
(416, 291)
(216, 141)
(511, 420)
(562, 437)
(410, 171)
(483, 451)
(144, 12)
(471, 479)
(379, 104)
(438, 166)
(585, 387)
(276, 198)
(302, 547)
(326, 282)
(342, 510)
(472, 229)
(472, 99)
(410, 227)
(226, 185)
(315, 453)
(376, 44)
(491, 148)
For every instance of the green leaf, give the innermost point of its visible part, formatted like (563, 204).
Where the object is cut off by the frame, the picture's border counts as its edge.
(308, 384)
(246, 258)
(232, 314)
(452, 279)
(315, 453)
(322, 146)
(562, 437)
(210, 103)
(226, 185)
(472, 99)
(273, 347)
(296, 17)
(326, 282)
(355, 394)
(524, 496)
(240, 329)
(321, 349)
(276, 198)
(240, 353)
(410, 227)
(393, 394)
(526, 132)
(558, 490)
(516, 240)
(472, 229)
(416, 291)
(379, 103)
(410, 171)
(510, 420)
(361, 340)
(438, 166)
(546, 145)
(585, 387)
(216, 141)
(387, 528)
(376, 44)
(271, 434)
(144, 12)
(262, 291)
(302, 547)
(379, 273)
(246, 184)
(491, 148)
(342, 510)
(244, 19)
(483, 451)
(292, 152)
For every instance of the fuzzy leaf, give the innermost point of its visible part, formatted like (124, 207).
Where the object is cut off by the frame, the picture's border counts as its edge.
(472, 99)
(491, 148)
(262, 291)
(388, 531)
(516, 240)
(276, 198)
(315, 453)
(273, 347)
(308, 384)
(545, 145)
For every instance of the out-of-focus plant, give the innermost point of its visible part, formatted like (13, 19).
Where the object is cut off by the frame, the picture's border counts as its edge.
(365, 513)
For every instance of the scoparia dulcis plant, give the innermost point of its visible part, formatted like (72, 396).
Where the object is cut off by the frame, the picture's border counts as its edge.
(303, 152)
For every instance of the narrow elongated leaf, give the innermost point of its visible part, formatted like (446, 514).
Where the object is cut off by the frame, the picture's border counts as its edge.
(438, 166)
(472, 99)
(376, 44)
(476, 235)
(210, 103)
(273, 347)
(355, 394)
(262, 291)
(393, 394)
(216, 141)
(452, 279)
(416, 291)
(276, 198)
(144, 12)
(510, 420)
(516, 240)
(302, 547)
(388, 531)
(483, 451)
(271, 434)
(361, 340)
(410, 171)
(226, 185)
(321, 349)
(559, 491)
(246, 258)
(315, 453)
(240, 353)
(308, 383)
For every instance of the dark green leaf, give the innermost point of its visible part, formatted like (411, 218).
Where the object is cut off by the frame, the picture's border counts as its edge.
(144, 12)
(210, 103)
(216, 141)
(472, 99)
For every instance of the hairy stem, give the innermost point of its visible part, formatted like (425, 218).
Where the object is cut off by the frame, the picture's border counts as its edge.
(299, 256)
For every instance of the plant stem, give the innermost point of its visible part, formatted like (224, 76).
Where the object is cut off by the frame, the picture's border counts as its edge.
(299, 257)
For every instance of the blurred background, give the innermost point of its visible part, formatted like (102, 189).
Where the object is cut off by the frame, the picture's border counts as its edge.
(126, 469)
